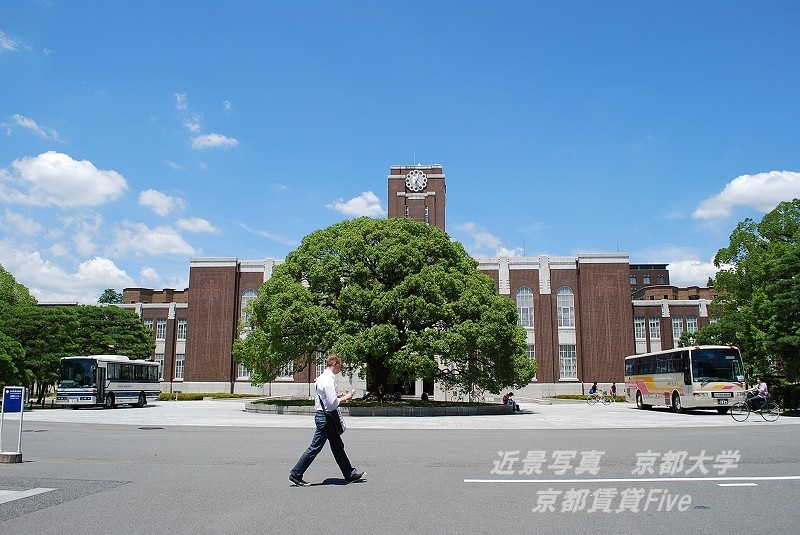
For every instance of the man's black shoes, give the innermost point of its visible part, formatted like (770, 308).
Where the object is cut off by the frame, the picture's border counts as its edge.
(355, 476)
(298, 481)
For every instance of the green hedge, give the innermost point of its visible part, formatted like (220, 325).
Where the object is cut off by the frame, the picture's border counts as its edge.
(582, 397)
(786, 394)
(195, 396)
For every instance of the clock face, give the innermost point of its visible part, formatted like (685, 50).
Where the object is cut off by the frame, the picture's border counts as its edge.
(416, 180)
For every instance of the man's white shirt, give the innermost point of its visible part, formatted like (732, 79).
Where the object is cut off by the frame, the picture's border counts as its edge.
(326, 388)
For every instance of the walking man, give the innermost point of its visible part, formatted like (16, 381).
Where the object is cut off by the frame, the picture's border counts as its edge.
(326, 391)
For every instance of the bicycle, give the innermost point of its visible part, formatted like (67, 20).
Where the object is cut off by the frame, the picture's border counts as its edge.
(475, 396)
(456, 395)
(598, 397)
(770, 410)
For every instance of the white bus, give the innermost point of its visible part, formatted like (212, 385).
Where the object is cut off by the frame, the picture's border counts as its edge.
(107, 380)
(699, 377)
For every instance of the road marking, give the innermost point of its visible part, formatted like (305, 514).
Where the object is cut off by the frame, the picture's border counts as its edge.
(636, 479)
(12, 495)
(737, 484)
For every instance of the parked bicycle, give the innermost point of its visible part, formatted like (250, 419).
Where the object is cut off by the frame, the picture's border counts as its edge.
(478, 395)
(770, 410)
(598, 397)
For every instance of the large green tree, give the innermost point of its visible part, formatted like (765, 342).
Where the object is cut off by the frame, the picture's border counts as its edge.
(12, 362)
(759, 309)
(393, 297)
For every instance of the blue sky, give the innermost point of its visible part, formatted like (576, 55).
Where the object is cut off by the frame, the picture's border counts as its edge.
(135, 135)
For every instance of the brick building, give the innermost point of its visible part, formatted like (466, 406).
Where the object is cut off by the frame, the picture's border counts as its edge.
(577, 311)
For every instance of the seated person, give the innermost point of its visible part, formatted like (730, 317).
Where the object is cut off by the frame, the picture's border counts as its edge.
(508, 399)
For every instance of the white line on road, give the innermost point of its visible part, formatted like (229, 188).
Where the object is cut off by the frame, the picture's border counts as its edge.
(737, 484)
(636, 479)
(12, 495)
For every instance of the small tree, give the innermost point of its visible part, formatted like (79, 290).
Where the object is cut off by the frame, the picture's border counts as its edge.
(395, 298)
(109, 297)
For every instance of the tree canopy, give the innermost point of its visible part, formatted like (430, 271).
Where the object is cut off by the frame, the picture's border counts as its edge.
(13, 293)
(395, 298)
(110, 296)
(48, 333)
(759, 278)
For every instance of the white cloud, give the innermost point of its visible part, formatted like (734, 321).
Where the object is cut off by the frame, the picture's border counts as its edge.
(180, 101)
(192, 123)
(7, 43)
(160, 203)
(485, 243)
(366, 204)
(763, 191)
(212, 141)
(685, 266)
(270, 236)
(140, 239)
(33, 126)
(226, 105)
(196, 224)
(16, 223)
(50, 283)
(175, 166)
(55, 179)
(149, 277)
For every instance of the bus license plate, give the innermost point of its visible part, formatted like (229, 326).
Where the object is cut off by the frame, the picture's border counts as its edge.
(722, 402)
(73, 400)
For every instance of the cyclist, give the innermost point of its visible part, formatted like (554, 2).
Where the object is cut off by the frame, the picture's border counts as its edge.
(758, 394)
(593, 391)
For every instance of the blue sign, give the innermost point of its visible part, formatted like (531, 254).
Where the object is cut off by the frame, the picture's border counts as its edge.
(12, 398)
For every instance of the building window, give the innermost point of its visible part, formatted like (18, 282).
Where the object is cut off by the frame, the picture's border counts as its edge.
(660, 279)
(531, 352)
(565, 303)
(568, 362)
(406, 210)
(248, 296)
(149, 324)
(322, 362)
(426, 213)
(242, 372)
(286, 371)
(160, 360)
(645, 279)
(677, 327)
(691, 324)
(638, 327)
(525, 306)
(633, 280)
(655, 328)
(180, 363)
(161, 330)
(181, 329)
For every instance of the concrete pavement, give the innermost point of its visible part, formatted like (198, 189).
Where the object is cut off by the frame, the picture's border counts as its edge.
(559, 415)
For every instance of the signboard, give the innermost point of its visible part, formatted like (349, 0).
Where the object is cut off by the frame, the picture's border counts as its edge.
(13, 401)
(13, 398)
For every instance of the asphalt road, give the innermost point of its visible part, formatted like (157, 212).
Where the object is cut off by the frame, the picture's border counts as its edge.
(148, 475)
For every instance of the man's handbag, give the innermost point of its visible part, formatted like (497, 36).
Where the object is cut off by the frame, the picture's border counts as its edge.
(334, 419)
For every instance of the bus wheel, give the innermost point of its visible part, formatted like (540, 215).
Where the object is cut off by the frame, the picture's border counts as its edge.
(722, 410)
(142, 400)
(639, 403)
(676, 403)
(109, 402)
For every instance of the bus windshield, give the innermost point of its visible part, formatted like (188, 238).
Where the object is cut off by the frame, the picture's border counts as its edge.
(717, 364)
(73, 373)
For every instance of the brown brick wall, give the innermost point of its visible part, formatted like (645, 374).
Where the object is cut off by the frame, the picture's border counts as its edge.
(212, 323)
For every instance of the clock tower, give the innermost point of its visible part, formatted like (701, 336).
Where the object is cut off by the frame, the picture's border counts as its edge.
(418, 191)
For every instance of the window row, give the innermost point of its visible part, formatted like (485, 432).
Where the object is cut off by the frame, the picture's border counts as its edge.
(654, 323)
(161, 328)
(646, 280)
(565, 306)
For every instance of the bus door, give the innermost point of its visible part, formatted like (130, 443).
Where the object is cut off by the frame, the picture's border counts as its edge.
(101, 384)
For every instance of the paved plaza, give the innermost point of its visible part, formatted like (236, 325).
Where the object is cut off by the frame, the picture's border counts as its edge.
(558, 415)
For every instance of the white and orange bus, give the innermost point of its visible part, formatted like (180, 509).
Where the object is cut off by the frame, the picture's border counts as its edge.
(699, 377)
